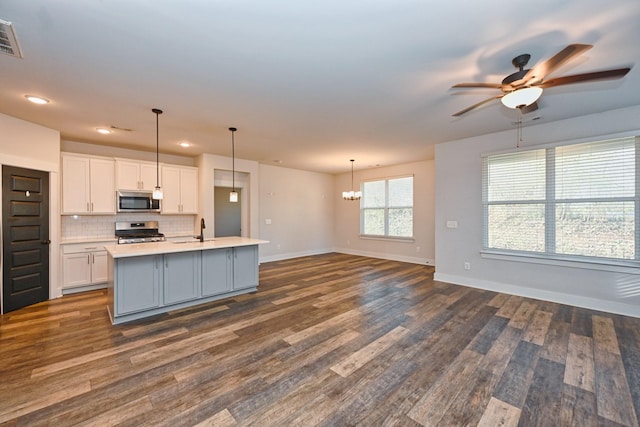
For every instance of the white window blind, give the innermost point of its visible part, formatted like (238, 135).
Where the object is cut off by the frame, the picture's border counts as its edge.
(574, 200)
(387, 208)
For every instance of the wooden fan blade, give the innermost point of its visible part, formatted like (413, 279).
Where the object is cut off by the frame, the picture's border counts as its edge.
(540, 71)
(478, 85)
(461, 112)
(586, 77)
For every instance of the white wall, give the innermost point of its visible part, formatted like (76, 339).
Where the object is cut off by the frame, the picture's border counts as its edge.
(31, 146)
(124, 153)
(207, 165)
(458, 198)
(300, 207)
(346, 234)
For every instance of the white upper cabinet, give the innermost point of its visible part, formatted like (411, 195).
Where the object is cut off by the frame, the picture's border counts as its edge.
(88, 185)
(132, 175)
(180, 188)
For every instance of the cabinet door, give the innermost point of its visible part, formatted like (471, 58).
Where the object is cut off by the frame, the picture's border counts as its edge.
(76, 269)
(245, 267)
(103, 192)
(148, 176)
(75, 185)
(189, 190)
(99, 272)
(181, 276)
(217, 274)
(137, 284)
(127, 175)
(171, 190)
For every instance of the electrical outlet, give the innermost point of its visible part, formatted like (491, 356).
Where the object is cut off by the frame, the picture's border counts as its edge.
(417, 248)
(467, 265)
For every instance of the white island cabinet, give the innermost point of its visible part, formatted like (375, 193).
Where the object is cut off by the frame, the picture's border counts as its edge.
(152, 278)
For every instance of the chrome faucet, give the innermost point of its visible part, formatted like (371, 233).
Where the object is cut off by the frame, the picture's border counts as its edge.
(202, 227)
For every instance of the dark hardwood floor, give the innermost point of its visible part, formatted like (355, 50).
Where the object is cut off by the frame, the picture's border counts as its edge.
(330, 340)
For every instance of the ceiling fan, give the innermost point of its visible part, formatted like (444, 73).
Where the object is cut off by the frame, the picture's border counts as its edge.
(523, 88)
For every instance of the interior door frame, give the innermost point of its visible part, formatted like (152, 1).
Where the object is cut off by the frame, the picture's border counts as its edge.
(55, 290)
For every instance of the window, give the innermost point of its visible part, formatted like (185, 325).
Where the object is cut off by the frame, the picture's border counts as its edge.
(578, 200)
(386, 209)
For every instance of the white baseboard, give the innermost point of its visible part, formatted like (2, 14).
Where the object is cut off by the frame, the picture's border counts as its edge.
(391, 257)
(557, 297)
(280, 257)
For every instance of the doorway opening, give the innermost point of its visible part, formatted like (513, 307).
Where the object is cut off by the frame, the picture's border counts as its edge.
(227, 214)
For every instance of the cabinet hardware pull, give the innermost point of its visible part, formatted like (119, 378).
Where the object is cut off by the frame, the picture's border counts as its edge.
(88, 207)
(91, 206)
(92, 247)
(88, 260)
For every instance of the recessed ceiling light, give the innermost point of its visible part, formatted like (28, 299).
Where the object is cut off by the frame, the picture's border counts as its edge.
(278, 161)
(37, 99)
(185, 144)
(103, 131)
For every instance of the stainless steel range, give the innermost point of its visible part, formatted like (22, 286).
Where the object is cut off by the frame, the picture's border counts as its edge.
(138, 232)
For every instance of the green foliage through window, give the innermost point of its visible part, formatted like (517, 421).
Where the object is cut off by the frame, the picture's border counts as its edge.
(575, 200)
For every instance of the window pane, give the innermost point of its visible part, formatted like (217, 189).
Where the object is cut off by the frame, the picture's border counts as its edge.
(516, 227)
(596, 229)
(373, 192)
(401, 192)
(401, 222)
(596, 170)
(516, 176)
(373, 222)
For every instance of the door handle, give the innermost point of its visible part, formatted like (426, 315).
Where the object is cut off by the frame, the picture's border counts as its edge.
(46, 242)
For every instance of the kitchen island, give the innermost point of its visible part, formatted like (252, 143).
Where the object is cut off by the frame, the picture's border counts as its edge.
(146, 279)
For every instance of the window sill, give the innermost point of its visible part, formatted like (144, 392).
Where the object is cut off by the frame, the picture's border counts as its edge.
(388, 238)
(628, 267)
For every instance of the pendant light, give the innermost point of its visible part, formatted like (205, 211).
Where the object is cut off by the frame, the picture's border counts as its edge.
(233, 196)
(157, 192)
(351, 195)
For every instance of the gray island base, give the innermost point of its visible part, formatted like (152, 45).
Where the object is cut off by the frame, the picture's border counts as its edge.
(151, 278)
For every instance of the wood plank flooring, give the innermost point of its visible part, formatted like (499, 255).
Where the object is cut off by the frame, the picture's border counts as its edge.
(328, 340)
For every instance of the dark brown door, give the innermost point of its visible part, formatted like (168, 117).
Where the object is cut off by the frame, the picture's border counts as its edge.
(25, 237)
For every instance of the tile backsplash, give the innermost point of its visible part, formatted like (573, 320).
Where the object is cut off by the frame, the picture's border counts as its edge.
(103, 226)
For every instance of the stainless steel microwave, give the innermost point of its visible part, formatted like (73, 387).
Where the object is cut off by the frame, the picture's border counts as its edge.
(137, 201)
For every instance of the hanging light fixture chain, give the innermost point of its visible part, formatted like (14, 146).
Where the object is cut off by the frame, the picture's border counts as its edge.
(157, 193)
(233, 196)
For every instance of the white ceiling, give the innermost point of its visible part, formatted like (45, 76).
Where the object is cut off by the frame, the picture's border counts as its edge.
(310, 83)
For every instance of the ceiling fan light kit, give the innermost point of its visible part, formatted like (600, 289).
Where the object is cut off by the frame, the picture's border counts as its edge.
(523, 88)
(521, 97)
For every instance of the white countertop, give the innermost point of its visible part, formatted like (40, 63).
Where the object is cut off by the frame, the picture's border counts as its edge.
(158, 248)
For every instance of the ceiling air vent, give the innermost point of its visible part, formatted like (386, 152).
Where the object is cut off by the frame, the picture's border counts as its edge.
(8, 40)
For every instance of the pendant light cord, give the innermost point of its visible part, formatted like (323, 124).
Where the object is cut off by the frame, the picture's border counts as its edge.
(352, 174)
(157, 111)
(233, 159)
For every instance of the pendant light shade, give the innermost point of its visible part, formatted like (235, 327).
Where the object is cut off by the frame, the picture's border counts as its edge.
(157, 192)
(233, 195)
(351, 194)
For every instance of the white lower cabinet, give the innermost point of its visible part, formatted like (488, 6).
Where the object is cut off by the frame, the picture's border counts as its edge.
(83, 265)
